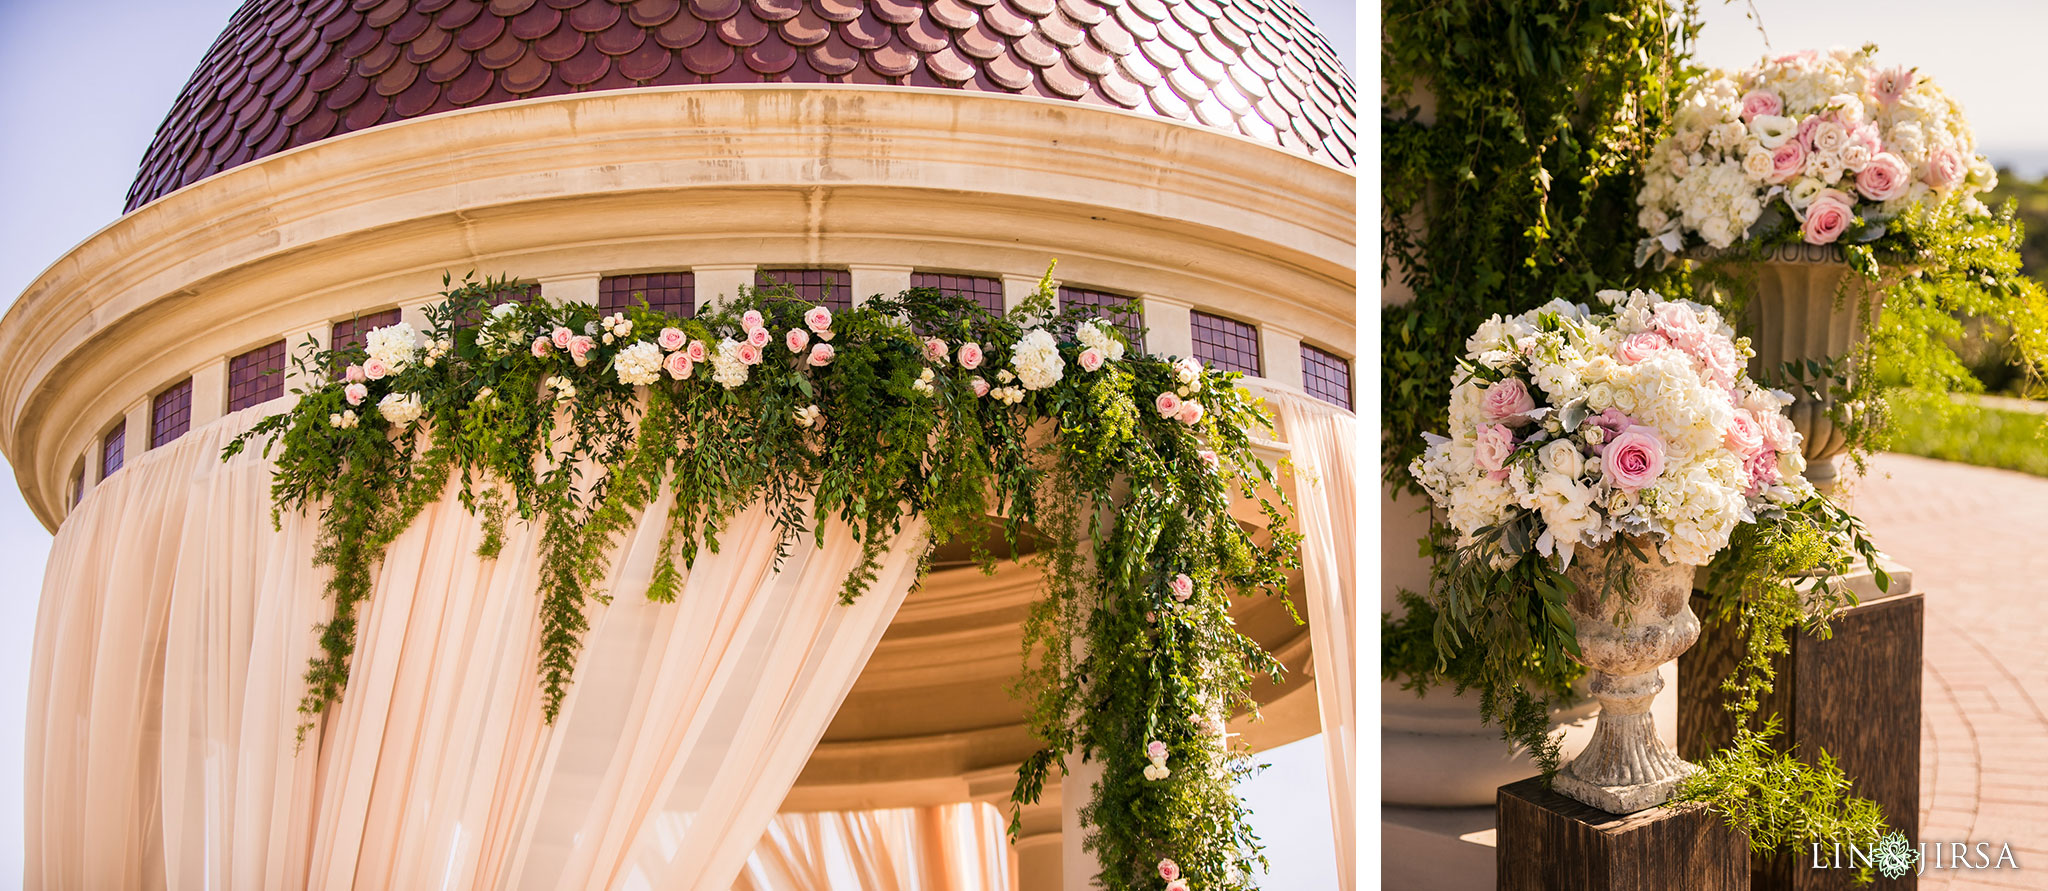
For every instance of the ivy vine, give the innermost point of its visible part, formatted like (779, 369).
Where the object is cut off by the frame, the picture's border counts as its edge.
(1132, 658)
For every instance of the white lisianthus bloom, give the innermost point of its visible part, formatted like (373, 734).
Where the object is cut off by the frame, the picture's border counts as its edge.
(400, 408)
(639, 364)
(1772, 131)
(1037, 360)
(395, 345)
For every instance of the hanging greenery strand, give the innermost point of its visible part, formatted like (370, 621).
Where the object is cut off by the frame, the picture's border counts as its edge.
(920, 405)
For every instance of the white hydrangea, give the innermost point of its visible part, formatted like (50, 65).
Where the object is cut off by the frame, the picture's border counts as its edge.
(639, 364)
(394, 345)
(1094, 335)
(1037, 360)
(400, 408)
(726, 367)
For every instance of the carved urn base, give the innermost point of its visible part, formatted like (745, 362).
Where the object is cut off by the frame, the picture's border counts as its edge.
(1632, 615)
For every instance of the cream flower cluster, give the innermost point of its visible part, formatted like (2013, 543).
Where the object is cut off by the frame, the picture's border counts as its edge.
(1830, 136)
(1037, 360)
(1155, 754)
(1577, 427)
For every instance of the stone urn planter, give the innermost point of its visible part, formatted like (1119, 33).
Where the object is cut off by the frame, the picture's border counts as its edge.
(1632, 615)
(1798, 310)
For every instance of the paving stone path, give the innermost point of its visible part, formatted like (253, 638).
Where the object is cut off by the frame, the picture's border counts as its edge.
(1977, 541)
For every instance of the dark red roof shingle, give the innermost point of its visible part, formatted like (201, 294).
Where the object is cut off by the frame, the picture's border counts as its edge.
(289, 72)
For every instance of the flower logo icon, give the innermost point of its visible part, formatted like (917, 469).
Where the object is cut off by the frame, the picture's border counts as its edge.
(1895, 856)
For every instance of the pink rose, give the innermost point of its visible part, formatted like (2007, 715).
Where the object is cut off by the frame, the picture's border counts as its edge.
(1182, 587)
(1508, 400)
(1744, 435)
(561, 337)
(1641, 346)
(1866, 135)
(375, 369)
(1155, 750)
(1786, 162)
(1884, 178)
(1779, 433)
(354, 374)
(580, 347)
(1168, 405)
(797, 340)
(758, 338)
(1762, 468)
(1945, 168)
(1718, 356)
(1799, 58)
(1091, 359)
(1757, 102)
(750, 319)
(1210, 458)
(1169, 870)
(1679, 325)
(818, 318)
(979, 386)
(698, 351)
(821, 355)
(670, 339)
(1190, 412)
(748, 353)
(355, 393)
(678, 365)
(935, 350)
(1808, 127)
(1496, 443)
(970, 355)
(1827, 217)
(542, 347)
(1892, 83)
(1634, 459)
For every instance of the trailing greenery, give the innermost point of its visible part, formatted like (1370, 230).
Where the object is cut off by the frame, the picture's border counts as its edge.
(1121, 500)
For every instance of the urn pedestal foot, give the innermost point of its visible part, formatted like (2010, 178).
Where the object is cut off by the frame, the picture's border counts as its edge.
(1624, 768)
(1626, 799)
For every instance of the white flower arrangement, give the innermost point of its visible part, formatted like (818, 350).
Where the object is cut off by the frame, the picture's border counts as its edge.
(1094, 335)
(638, 364)
(400, 408)
(1037, 360)
(1155, 752)
(395, 346)
(727, 368)
(1828, 139)
(1570, 428)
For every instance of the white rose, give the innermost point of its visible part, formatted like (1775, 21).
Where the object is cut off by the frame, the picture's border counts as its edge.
(1757, 164)
(1563, 458)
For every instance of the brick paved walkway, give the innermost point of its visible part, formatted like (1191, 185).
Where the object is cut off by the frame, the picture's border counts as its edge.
(1977, 541)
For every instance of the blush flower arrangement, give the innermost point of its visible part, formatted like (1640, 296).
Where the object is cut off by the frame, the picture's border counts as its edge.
(1828, 142)
(1570, 428)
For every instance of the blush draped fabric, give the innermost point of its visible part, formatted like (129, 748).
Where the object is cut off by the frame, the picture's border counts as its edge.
(175, 624)
(935, 848)
(1325, 447)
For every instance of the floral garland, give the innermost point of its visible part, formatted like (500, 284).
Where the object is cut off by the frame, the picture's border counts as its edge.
(1124, 468)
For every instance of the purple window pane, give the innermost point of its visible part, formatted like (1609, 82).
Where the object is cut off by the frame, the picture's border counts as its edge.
(674, 293)
(78, 485)
(827, 287)
(170, 414)
(984, 290)
(111, 449)
(354, 332)
(1226, 343)
(1326, 376)
(1130, 318)
(256, 376)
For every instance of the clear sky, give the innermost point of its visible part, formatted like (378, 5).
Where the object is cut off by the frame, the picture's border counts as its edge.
(1983, 52)
(74, 121)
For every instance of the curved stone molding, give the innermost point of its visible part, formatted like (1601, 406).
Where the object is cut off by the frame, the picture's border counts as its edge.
(664, 178)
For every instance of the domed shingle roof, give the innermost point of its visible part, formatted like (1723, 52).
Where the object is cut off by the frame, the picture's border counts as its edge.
(289, 72)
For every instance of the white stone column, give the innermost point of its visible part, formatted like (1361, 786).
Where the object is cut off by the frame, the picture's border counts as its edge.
(1018, 288)
(323, 335)
(578, 288)
(866, 280)
(1280, 356)
(137, 437)
(209, 391)
(1077, 866)
(1169, 326)
(720, 283)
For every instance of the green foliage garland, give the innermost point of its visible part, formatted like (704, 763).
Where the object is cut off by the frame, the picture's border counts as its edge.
(1120, 499)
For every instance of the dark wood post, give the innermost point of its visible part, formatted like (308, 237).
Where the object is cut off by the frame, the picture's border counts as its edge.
(1855, 695)
(1547, 842)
